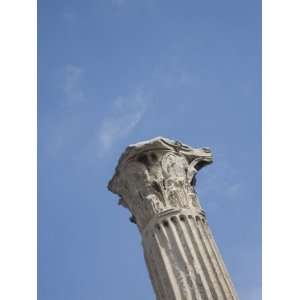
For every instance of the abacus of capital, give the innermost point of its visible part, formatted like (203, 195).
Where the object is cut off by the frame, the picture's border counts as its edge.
(155, 180)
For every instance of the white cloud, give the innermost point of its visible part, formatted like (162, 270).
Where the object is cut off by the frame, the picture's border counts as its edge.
(63, 132)
(72, 84)
(126, 113)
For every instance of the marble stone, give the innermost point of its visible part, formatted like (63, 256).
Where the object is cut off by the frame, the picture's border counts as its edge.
(156, 181)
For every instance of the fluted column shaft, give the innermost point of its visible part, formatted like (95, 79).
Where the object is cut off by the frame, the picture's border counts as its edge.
(156, 180)
(183, 259)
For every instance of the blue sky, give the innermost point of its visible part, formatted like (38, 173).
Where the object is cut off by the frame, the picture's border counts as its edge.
(115, 72)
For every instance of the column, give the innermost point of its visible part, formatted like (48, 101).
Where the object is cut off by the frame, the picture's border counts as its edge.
(155, 181)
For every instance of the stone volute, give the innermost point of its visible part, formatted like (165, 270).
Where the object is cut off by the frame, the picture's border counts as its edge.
(155, 180)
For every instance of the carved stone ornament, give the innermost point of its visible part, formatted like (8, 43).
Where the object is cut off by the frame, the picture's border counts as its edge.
(156, 176)
(155, 181)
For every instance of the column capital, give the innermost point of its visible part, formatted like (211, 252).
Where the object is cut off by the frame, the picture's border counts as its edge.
(158, 175)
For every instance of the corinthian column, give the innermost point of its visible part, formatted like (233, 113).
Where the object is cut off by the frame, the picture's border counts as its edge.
(155, 181)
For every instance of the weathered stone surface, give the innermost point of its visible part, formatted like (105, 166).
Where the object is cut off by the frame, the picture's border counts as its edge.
(155, 180)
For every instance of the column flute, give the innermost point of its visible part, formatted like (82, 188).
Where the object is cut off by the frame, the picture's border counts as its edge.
(155, 180)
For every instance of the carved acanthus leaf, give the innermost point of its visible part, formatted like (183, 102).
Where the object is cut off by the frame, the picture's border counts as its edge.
(156, 176)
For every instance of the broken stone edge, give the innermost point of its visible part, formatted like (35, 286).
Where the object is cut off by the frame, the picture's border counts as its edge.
(161, 144)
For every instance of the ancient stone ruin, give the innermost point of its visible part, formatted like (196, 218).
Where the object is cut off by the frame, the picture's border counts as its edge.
(156, 181)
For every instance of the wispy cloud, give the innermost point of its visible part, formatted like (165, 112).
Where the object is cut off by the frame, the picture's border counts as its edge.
(125, 115)
(72, 84)
(63, 129)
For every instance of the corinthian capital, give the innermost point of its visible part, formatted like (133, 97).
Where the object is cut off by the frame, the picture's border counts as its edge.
(157, 176)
